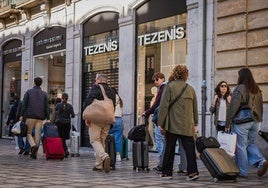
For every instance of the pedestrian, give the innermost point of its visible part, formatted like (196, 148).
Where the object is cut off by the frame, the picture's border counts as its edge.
(118, 127)
(220, 104)
(159, 81)
(98, 132)
(64, 112)
(35, 108)
(247, 94)
(12, 118)
(150, 122)
(179, 121)
(23, 144)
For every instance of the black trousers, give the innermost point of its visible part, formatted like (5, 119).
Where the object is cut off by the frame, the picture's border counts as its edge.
(169, 154)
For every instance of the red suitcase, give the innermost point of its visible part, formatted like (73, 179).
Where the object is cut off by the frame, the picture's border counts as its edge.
(53, 148)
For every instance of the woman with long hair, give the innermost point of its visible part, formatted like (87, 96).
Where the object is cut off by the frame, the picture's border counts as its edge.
(220, 104)
(247, 94)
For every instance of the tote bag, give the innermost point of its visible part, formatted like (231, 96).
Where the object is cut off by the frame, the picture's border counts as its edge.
(227, 142)
(100, 111)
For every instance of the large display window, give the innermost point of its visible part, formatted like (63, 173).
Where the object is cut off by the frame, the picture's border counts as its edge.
(161, 44)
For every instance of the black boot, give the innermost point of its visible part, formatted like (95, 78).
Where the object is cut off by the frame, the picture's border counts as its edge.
(34, 150)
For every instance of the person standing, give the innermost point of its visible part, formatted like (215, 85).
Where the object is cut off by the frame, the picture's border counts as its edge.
(35, 108)
(64, 111)
(159, 80)
(98, 132)
(248, 94)
(179, 121)
(12, 118)
(118, 127)
(220, 105)
(150, 122)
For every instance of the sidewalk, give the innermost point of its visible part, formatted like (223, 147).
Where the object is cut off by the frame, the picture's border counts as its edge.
(22, 171)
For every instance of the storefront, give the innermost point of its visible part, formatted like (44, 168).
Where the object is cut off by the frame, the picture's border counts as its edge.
(161, 43)
(49, 61)
(100, 55)
(11, 80)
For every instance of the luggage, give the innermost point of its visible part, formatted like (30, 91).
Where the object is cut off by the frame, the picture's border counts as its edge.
(74, 146)
(50, 130)
(219, 164)
(203, 142)
(53, 148)
(140, 156)
(124, 152)
(110, 149)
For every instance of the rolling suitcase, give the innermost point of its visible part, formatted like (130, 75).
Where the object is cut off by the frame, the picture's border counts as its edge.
(219, 164)
(124, 152)
(53, 148)
(110, 149)
(140, 156)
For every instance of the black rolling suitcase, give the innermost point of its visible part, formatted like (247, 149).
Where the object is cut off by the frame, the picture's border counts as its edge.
(110, 149)
(219, 164)
(140, 156)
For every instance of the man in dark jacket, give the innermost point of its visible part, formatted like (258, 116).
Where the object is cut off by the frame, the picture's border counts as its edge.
(98, 132)
(35, 109)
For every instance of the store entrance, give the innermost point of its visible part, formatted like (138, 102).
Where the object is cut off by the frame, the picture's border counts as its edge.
(11, 91)
(52, 69)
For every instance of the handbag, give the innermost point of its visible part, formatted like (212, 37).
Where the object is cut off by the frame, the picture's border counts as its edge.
(137, 133)
(227, 142)
(16, 128)
(100, 111)
(244, 115)
(203, 142)
(23, 129)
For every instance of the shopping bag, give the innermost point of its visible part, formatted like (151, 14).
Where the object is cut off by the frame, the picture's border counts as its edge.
(227, 142)
(16, 128)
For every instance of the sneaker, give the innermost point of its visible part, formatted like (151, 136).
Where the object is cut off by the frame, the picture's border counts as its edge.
(182, 172)
(263, 169)
(192, 177)
(118, 157)
(34, 150)
(97, 169)
(164, 176)
(157, 169)
(21, 151)
(26, 153)
(106, 164)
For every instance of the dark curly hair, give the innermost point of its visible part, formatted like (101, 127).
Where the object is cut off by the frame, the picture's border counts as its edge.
(218, 91)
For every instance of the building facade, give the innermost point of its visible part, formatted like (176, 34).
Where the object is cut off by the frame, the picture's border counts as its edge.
(68, 42)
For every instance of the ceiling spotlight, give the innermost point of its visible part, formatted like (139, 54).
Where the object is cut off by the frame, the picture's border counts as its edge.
(51, 56)
(61, 54)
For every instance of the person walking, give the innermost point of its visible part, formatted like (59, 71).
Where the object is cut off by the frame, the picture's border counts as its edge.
(99, 132)
(179, 121)
(220, 104)
(247, 94)
(12, 118)
(35, 108)
(64, 112)
(159, 80)
(118, 127)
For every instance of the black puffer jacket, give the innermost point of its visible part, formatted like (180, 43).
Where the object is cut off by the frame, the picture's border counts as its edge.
(95, 93)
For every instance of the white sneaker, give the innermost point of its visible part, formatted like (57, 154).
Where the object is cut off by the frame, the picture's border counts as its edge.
(118, 157)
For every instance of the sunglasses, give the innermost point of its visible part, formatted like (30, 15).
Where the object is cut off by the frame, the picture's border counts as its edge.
(223, 85)
(156, 79)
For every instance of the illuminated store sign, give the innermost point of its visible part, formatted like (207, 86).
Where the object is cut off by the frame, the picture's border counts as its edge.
(16, 50)
(112, 45)
(162, 36)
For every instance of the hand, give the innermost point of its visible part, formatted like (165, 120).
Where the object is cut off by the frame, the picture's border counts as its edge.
(48, 121)
(163, 131)
(195, 129)
(88, 123)
(227, 130)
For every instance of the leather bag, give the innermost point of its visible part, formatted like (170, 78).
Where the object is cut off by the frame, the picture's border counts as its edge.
(243, 116)
(100, 111)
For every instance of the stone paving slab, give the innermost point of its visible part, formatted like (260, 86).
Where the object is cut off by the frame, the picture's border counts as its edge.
(22, 171)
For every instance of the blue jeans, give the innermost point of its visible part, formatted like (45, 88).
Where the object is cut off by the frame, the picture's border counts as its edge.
(23, 145)
(160, 142)
(247, 153)
(117, 131)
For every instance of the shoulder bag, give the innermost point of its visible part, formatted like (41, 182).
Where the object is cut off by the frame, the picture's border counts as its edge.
(100, 111)
(244, 114)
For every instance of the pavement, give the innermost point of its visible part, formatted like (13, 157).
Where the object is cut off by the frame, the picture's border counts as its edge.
(22, 171)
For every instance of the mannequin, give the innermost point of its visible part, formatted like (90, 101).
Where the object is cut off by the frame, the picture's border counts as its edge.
(150, 123)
